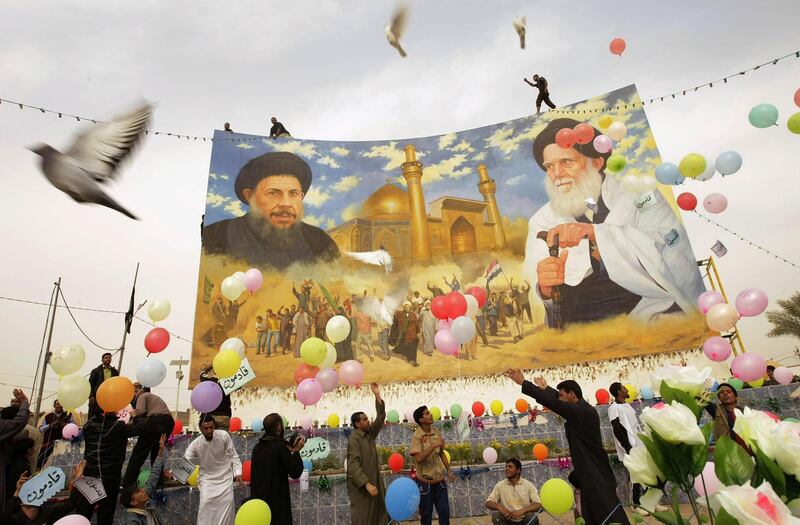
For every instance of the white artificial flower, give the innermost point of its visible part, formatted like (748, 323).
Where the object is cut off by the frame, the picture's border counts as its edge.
(755, 428)
(786, 447)
(642, 468)
(754, 506)
(673, 423)
(686, 378)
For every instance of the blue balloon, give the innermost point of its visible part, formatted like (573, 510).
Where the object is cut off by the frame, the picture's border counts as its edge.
(647, 393)
(402, 499)
(668, 173)
(257, 425)
(307, 465)
(715, 386)
(763, 116)
(728, 162)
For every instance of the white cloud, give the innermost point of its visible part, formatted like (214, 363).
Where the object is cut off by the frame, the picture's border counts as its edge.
(445, 168)
(446, 140)
(224, 177)
(327, 160)
(346, 183)
(350, 212)
(340, 151)
(480, 156)
(245, 145)
(216, 200)
(304, 149)
(514, 181)
(316, 197)
(212, 175)
(329, 224)
(235, 207)
(312, 220)
(390, 152)
(463, 147)
(323, 178)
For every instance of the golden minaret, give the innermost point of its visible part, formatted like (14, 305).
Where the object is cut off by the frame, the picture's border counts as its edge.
(487, 187)
(420, 239)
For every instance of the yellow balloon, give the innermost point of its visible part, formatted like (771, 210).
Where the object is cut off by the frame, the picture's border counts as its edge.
(227, 363)
(254, 512)
(556, 496)
(605, 121)
(313, 351)
(194, 477)
(757, 383)
(496, 407)
(692, 165)
(447, 455)
(333, 420)
(436, 413)
(632, 392)
(73, 391)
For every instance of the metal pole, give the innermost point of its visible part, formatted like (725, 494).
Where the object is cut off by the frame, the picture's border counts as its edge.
(47, 354)
(179, 375)
(128, 321)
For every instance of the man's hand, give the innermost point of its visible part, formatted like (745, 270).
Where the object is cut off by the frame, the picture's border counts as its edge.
(540, 382)
(550, 272)
(19, 395)
(375, 390)
(515, 514)
(515, 375)
(504, 511)
(21, 481)
(372, 489)
(77, 472)
(450, 476)
(301, 442)
(571, 234)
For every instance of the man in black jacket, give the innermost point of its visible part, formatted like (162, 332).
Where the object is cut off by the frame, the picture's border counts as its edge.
(96, 378)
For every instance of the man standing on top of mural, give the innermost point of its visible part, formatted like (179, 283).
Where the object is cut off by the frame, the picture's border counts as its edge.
(278, 129)
(616, 258)
(271, 233)
(540, 83)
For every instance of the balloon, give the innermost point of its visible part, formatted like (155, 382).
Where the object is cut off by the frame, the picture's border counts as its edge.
(402, 499)
(496, 407)
(206, 396)
(687, 201)
(463, 328)
(478, 409)
(443, 324)
(566, 138)
(749, 366)
(436, 414)
(722, 317)
(178, 428)
(540, 451)
(616, 163)
(396, 462)
(758, 383)
(114, 394)
(602, 143)
(253, 279)
(194, 477)
(646, 183)
(304, 372)
(735, 382)
(141, 481)
(447, 455)
(73, 519)
(728, 163)
(410, 415)
(456, 304)
(257, 424)
(707, 174)
(794, 123)
(393, 416)
(797, 97)
(156, 340)
(333, 420)
(692, 165)
(605, 121)
(351, 373)
(763, 116)
(455, 410)
(247, 467)
(226, 363)
(232, 288)
(67, 359)
(751, 302)
(647, 393)
(521, 405)
(151, 372)
(478, 293)
(254, 512)
(631, 393)
(717, 348)
(330, 356)
(239, 276)
(709, 483)
(616, 131)
(602, 396)
(584, 133)
(472, 305)
(158, 310)
(445, 342)
(309, 391)
(630, 183)
(234, 344)
(70, 431)
(715, 203)
(668, 173)
(337, 329)
(556, 496)
(783, 375)
(617, 46)
(313, 351)
(709, 299)
(489, 455)
(235, 424)
(306, 422)
(328, 378)
(439, 307)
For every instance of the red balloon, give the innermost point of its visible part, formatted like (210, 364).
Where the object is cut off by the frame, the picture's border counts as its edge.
(235, 424)
(156, 340)
(246, 466)
(304, 371)
(178, 428)
(566, 138)
(687, 201)
(396, 462)
(439, 307)
(584, 133)
(478, 409)
(617, 46)
(797, 97)
(602, 396)
(456, 304)
(478, 293)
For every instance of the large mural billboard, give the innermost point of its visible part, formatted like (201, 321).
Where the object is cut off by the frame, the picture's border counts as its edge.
(580, 263)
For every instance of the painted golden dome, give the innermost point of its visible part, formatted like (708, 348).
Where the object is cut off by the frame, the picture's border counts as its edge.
(388, 202)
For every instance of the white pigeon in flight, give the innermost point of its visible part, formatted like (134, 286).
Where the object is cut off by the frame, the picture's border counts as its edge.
(377, 258)
(383, 310)
(93, 158)
(394, 30)
(519, 27)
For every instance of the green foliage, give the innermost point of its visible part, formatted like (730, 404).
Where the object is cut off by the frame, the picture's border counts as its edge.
(732, 464)
(786, 322)
(329, 463)
(669, 395)
(768, 469)
(723, 518)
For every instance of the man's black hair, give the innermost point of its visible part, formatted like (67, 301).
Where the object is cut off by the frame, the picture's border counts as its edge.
(356, 417)
(418, 413)
(205, 418)
(615, 388)
(126, 494)
(106, 354)
(515, 462)
(571, 386)
(735, 393)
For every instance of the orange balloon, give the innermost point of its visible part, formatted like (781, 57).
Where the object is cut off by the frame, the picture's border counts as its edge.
(521, 405)
(540, 451)
(115, 394)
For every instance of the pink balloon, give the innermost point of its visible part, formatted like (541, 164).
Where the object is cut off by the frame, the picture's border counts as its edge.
(73, 519)
(445, 342)
(306, 422)
(309, 391)
(783, 375)
(602, 144)
(751, 301)
(708, 300)
(715, 203)
(659, 405)
(749, 366)
(328, 378)
(797, 97)
(351, 373)
(253, 279)
(70, 431)
(712, 483)
(443, 324)
(717, 348)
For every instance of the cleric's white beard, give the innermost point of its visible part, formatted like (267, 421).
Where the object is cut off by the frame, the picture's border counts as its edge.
(572, 203)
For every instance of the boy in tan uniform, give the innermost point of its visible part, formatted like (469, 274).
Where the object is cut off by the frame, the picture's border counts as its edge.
(427, 449)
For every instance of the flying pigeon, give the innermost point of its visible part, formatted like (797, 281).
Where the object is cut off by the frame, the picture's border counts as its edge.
(378, 258)
(519, 27)
(394, 31)
(383, 311)
(93, 158)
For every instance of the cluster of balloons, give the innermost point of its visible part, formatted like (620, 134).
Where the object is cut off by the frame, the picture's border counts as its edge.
(617, 46)
(73, 389)
(455, 312)
(721, 316)
(582, 133)
(234, 285)
(794, 121)
(766, 115)
(615, 130)
(713, 203)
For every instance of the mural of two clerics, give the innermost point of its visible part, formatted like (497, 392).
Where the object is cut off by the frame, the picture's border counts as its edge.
(578, 266)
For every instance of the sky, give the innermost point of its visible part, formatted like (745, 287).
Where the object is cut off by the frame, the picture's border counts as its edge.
(325, 70)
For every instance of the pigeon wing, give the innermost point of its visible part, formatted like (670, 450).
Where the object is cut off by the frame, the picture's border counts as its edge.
(398, 25)
(391, 304)
(377, 257)
(102, 147)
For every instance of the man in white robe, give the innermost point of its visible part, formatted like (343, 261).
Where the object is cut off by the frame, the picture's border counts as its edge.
(219, 469)
(620, 253)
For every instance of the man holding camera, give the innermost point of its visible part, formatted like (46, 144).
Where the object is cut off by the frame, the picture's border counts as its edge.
(276, 458)
(364, 480)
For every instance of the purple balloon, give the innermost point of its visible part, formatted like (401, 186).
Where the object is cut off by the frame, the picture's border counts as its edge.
(749, 367)
(783, 375)
(206, 396)
(709, 299)
(445, 342)
(70, 431)
(717, 348)
(602, 144)
(328, 378)
(253, 279)
(351, 373)
(309, 391)
(751, 301)
(715, 203)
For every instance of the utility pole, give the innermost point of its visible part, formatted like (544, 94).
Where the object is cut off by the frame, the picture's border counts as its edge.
(47, 354)
(129, 319)
(179, 376)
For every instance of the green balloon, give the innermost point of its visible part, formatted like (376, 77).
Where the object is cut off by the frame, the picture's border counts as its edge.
(556, 496)
(141, 481)
(735, 383)
(455, 411)
(393, 416)
(763, 116)
(794, 123)
(792, 420)
(616, 163)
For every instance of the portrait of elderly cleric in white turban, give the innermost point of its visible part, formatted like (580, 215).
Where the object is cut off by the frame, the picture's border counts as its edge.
(593, 252)
(271, 233)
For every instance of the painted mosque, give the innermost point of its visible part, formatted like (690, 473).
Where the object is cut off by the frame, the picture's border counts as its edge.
(396, 219)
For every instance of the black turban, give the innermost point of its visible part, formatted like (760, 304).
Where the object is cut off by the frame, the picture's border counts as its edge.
(268, 164)
(548, 136)
(418, 413)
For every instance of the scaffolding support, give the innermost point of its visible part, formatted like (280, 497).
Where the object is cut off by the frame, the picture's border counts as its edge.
(711, 275)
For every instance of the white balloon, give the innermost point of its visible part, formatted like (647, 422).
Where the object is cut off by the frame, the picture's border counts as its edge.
(330, 357)
(232, 288)
(463, 329)
(158, 310)
(490, 454)
(73, 391)
(338, 328)
(151, 372)
(240, 276)
(706, 175)
(472, 305)
(617, 131)
(236, 344)
(67, 359)
(630, 183)
(306, 422)
(647, 183)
